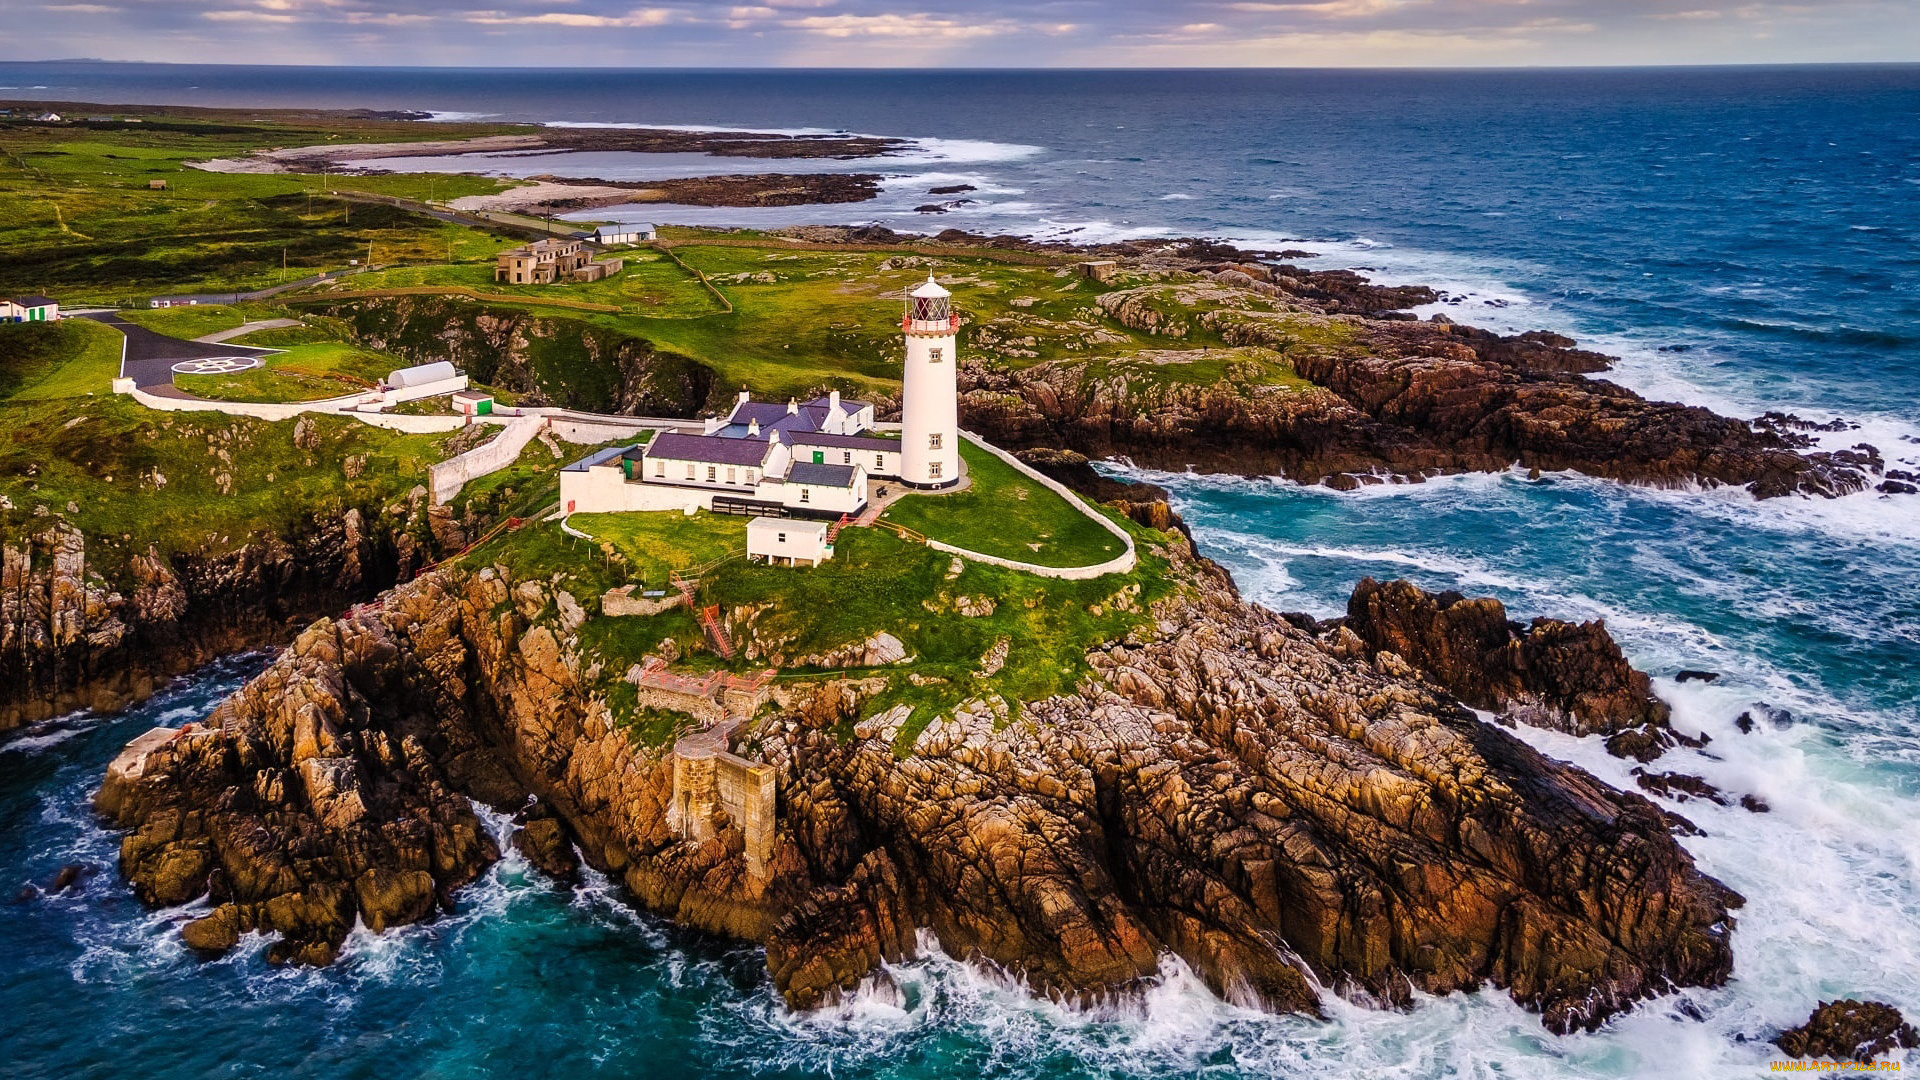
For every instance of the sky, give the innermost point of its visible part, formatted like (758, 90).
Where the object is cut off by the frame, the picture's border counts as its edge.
(981, 33)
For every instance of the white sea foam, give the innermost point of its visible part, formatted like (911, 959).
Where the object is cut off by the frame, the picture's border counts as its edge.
(720, 129)
(964, 151)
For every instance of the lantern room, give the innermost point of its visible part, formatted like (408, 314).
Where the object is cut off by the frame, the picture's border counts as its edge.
(929, 310)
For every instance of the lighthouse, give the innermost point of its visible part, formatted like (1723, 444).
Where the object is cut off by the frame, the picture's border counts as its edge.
(929, 407)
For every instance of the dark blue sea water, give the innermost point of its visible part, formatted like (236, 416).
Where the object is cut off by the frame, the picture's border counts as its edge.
(1744, 239)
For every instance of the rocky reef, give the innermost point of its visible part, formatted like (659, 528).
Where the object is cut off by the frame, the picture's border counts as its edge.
(1278, 811)
(1849, 1030)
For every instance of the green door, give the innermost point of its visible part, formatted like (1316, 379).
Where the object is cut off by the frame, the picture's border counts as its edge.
(819, 457)
(486, 407)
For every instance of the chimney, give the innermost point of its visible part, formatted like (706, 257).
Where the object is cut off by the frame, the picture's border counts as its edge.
(753, 428)
(833, 401)
(710, 425)
(744, 396)
(793, 407)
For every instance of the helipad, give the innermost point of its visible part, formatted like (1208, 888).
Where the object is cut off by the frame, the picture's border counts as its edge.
(216, 365)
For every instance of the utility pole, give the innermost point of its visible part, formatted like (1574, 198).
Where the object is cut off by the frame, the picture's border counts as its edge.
(283, 266)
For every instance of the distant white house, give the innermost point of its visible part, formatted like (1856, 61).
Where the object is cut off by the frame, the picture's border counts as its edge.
(637, 232)
(773, 539)
(30, 309)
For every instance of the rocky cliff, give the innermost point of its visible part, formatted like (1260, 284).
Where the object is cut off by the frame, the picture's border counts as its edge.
(552, 361)
(1225, 787)
(75, 636)
(1391, 398)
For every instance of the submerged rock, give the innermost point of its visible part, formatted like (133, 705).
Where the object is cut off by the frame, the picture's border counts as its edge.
(1849, 1030)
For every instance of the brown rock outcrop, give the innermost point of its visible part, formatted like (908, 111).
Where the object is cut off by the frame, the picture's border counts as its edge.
(1849, 1030)
(1225, 790)
(1392, 397)
(1565, 676)
(72, 637)
(293, 814)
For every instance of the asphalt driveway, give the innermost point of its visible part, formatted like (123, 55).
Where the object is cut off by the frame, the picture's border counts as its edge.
(150, 356)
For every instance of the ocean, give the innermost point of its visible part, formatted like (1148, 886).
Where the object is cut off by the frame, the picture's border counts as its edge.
(1744, 239)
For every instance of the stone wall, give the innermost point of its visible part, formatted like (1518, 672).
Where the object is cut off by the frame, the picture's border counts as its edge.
(706, 785)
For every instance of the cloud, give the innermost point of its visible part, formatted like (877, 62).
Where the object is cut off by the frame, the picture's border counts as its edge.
(976, 33)
(1331, 9)
(248, 16)
(920, 26)
(641, 17)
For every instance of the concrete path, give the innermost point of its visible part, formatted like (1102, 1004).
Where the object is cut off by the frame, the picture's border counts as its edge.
(149, 356)
(247, 328)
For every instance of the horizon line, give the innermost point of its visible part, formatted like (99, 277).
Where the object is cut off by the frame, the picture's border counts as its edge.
(922, 69)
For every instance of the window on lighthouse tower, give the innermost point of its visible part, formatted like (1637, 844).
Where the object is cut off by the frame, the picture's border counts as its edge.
(933, 355)
(933, 441)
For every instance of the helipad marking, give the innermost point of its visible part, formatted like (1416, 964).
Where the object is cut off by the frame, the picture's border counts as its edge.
(216, 365)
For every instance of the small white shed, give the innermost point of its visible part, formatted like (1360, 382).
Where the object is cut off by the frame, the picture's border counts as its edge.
(421, 381)
(624, 233)
(421, 375)
(791, 539)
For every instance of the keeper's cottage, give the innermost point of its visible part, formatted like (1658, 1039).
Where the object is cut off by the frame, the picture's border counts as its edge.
(811, 459)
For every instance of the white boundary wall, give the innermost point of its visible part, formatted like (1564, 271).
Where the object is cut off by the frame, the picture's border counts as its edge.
(340, 406)
(1119, 564)
(263, 410)
(448, 477)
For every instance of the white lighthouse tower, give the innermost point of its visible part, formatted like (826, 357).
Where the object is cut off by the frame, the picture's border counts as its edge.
(929, 408)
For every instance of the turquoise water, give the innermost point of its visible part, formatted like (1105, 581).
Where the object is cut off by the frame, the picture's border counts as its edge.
(1744, 239)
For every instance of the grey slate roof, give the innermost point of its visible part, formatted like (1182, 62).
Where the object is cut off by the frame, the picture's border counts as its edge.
(806, 472)
(712, 449)
(598, 457)
(35, 301)
(852, 442)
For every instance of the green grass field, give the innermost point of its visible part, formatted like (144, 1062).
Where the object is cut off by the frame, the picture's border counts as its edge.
(655, 545)
(187, 323)
(66, 359)
(132, 478)
(651, 286)
(79, 222)
(1006, 514)
(310, 372)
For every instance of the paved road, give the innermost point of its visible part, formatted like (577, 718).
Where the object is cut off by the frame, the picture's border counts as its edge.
(247, 328)
(150, 356)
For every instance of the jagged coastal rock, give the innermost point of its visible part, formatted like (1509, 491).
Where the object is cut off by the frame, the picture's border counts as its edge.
(1391, 399)
(1849, 1030)
(73, 637)
(1226, 788)
(1565, 676)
